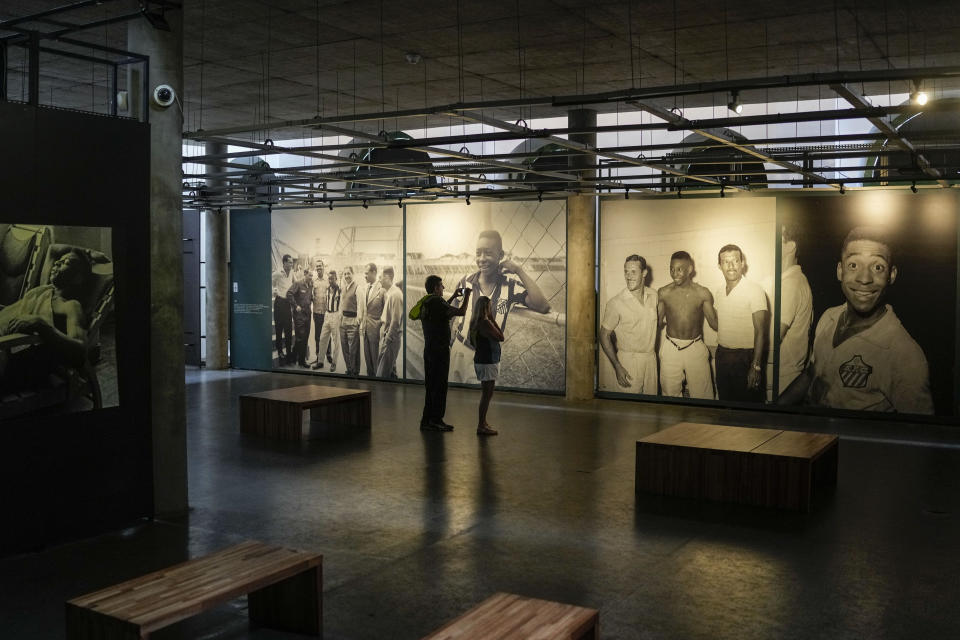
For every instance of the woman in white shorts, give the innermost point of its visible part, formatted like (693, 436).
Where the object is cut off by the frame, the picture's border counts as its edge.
(486, 338)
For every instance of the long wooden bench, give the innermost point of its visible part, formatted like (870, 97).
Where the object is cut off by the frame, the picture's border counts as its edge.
(279, 413)
(761, 467)
(506, 616)
(285, 590)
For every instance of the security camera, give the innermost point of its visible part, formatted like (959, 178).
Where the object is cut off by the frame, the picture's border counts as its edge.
(164, 95)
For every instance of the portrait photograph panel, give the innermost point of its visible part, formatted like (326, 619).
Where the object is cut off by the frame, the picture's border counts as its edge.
(57, 322)
(879, 286)
(337, 291)
(686, 298)
(512, 253)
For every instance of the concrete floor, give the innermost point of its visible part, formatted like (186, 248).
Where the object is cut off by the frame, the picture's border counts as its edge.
(416, 528)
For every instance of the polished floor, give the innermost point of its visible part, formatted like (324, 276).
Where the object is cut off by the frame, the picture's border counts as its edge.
(417, 527)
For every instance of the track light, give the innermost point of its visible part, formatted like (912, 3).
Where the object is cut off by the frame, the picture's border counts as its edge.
(468, 199)
(843, 188)
(679, 193)
(400, 203)
(330, 205)
(723, 192)
(734, 104)
(540, 197)
(626, 193)
(917, 95)
(365, 205)
(913, 187)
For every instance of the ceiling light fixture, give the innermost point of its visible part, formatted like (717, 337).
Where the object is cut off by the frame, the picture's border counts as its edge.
(413, 57)
(365, 205)
(679, 193)
(540, 196)
(723, 193)
(330, 205)
(917, 95)
(843, 189)
(735, 105)
(626, 193)
(913, 187)
(468, 199)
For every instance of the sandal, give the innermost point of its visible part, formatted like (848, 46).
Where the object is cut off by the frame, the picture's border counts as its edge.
(486, 431)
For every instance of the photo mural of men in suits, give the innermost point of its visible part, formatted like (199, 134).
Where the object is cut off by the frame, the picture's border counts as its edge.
(683, 306)
(371, 308)
(630, 318)
(863, 358)
(350, 324)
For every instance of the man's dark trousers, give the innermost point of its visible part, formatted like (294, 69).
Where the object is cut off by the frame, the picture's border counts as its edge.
(436, 369)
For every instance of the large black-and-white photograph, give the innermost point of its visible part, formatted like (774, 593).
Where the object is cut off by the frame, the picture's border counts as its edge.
(57, 327)
(337, 291)
(686, 298)
(869, 301)
(510, 253)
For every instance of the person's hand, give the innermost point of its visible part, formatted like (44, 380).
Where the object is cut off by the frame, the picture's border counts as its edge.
(753, 378)
(459, 292)
(509, 266)
(623, 378)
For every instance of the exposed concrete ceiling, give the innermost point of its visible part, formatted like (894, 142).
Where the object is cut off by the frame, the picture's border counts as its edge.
(252, 64)
(250, 61)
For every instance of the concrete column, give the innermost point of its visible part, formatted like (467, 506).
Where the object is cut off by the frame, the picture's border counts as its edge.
(581, 268)
(165, 49)
(216, 222)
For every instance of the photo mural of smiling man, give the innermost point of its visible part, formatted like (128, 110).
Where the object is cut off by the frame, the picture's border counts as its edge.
(863, 358)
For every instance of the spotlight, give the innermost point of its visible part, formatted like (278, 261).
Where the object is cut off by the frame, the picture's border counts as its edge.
(626, 193)
(723, 192)
(679, 193)
(468, 199)
(734, 104)
(400, 203)
(917, 95)
(913, 187)
(330, 205)
(365, 205)
(843, 188)
(540, 197)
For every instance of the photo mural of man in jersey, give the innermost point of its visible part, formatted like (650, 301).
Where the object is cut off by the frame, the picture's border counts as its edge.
(882, 342)
(513, 253)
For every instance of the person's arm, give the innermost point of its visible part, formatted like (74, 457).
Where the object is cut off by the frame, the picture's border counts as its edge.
(535, 301)
(392, 332)
(70, 345)
(797, 390)
(292, 298)
(760, 320)
(462, 309)
(275, 279)
(910, 383)
(623, 378)
(709, 311)
(490, 329)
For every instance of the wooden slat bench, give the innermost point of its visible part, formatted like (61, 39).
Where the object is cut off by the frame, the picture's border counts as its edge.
(279, 413)
(506, 616)
(761, 467)
(285, 590)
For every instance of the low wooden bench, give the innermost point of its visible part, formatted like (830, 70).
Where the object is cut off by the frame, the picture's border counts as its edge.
(279, 413)
(285, 590)
(761, 467)
(506, 616)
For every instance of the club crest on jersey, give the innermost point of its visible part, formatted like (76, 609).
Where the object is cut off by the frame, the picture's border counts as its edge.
(854, 373)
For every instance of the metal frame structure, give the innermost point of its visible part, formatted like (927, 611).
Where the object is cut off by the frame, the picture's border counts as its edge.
(799, 162)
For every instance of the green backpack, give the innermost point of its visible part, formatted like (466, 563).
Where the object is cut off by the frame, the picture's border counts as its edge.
(418, 308)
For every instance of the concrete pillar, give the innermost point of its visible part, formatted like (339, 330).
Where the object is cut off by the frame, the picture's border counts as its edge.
(581, 269)
(216, 222)
(165, 49)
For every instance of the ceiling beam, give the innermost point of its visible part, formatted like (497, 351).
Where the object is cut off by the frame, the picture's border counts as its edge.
(859, 101)
(717, 136)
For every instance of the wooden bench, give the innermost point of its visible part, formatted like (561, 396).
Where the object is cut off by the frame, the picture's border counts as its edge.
(761, 467)
(279, 413)
(285, 590)
(507, 616)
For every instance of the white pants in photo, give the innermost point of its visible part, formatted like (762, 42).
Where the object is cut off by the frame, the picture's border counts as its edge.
(690, 358)
(330, 334)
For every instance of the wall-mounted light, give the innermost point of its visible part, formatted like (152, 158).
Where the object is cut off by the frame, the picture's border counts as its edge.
(735, 105)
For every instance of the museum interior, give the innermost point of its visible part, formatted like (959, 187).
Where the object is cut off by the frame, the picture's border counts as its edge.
(501, 319)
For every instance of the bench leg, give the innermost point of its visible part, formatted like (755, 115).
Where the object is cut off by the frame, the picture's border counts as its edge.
(87, 624)
(294, 604)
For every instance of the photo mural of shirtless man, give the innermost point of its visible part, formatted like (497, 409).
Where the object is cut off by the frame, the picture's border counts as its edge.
(682, 307)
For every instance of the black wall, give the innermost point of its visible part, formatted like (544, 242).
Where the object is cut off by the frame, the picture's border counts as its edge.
(68, 475)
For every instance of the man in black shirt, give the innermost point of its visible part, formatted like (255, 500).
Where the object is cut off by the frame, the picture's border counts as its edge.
(435, 316)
